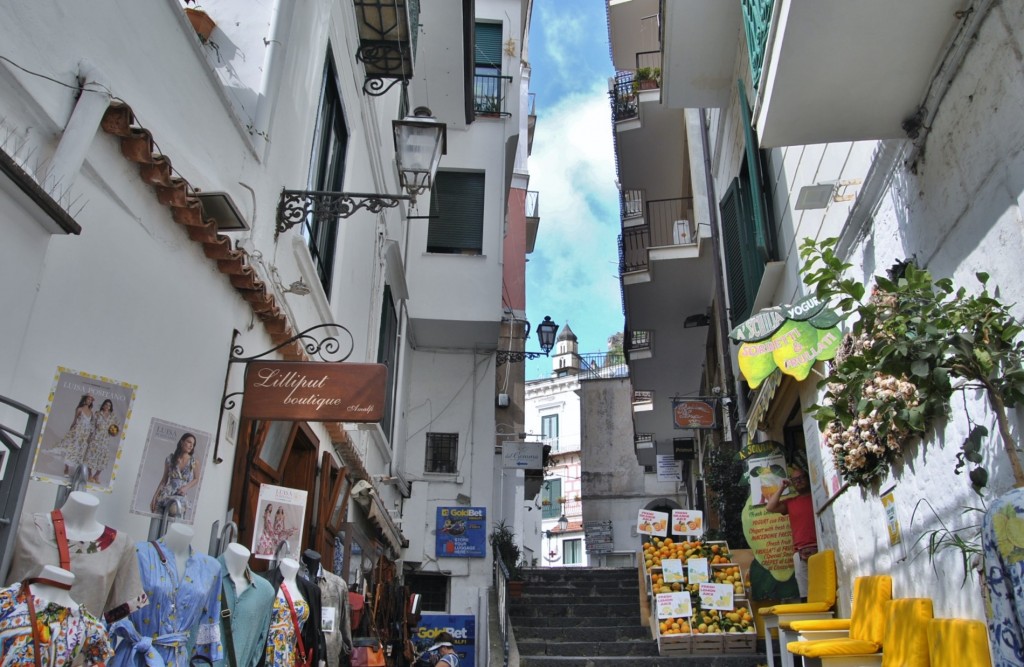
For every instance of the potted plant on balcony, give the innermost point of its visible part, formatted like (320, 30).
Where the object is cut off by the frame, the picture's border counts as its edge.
(506, 550)
(201, 22)
(647, 78)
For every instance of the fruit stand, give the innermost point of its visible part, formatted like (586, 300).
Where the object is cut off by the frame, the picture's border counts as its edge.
(697, 596)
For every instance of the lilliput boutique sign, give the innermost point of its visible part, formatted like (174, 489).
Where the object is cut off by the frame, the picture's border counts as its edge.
(314, 391)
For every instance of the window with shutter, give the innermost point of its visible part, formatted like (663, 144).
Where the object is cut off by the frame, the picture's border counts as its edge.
(744, 264)
(457, 213)
(487, 80)
(552, 492)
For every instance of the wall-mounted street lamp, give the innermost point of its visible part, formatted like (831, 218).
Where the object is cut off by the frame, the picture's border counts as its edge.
(420, 141)
(546, 331)
(563, 523)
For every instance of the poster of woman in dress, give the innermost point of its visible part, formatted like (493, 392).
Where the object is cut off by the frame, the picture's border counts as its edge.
(171, 472)
(86, 421)
(280, 514)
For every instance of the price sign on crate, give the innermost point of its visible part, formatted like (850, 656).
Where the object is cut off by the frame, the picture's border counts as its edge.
(672, 569)
(716, 596)
(674, 605)
(697, 569)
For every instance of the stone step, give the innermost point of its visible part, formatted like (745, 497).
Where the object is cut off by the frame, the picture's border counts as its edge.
(632, 647)
(584, 607)
(643, 661)
(590, 622)
(589, 632)
(539, 596)
(554, 574)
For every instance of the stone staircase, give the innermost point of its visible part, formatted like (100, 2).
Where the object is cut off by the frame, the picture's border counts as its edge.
(590, 617)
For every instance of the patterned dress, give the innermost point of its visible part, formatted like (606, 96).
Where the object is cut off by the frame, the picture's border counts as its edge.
(72, 446)
(1002, 539)
(282, 650)
(66, 635)
(176, 478)
(97, 453)
(158, 634)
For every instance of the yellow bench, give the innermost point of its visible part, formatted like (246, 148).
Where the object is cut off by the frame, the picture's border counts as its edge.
(958, 642)
(821, 598)
(861, 635)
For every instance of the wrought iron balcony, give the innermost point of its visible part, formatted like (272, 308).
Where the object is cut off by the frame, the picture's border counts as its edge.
(490, 92)
(532, 204)
(639, 340)
(623, 98)
(603, 366)
(631, 204)
(668, 222)
(757, 19)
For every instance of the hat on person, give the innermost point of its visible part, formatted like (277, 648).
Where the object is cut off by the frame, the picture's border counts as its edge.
(439, 645)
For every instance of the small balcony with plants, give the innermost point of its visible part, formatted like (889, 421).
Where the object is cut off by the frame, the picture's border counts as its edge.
(490, 95)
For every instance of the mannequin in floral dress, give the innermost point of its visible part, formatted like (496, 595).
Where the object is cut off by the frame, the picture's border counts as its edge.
(282, 647)
(72, 445)
(97, 451)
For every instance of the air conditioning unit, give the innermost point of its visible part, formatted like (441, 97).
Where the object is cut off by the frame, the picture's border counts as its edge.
(681, 232)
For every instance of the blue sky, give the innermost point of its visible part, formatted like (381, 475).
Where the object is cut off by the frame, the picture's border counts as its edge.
(572, 274)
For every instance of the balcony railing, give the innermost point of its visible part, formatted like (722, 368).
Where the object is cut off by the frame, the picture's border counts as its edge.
(757, 19)
(603, 365)
(489, 95)
(532, 204)
(668, 222)
(639, 340)
(631, 204)
(623, 98)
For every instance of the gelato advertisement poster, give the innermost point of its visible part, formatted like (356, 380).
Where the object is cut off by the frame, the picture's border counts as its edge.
(461, 532)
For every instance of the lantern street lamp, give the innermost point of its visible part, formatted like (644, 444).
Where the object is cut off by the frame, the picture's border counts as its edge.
(546, 331)
(420, 141)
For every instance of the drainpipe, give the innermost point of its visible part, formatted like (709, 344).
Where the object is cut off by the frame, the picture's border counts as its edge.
(273, 71)
(78, 134)
(716, 242)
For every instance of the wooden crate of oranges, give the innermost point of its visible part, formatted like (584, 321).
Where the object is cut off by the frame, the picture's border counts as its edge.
(674, 636)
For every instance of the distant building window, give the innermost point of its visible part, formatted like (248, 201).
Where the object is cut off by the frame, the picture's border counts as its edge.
(442, 449)
(432, 588)
(550, 493)
(549, 430)
(572, 552)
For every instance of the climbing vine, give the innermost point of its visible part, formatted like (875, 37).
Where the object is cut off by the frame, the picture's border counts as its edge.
(913, 342)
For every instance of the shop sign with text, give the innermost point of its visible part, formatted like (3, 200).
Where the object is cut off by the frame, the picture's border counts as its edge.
(695, 412)
(461, 532)
(314, 391)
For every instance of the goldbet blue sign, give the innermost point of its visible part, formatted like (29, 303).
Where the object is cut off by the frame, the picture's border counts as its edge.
(462, 628)
(461, 532)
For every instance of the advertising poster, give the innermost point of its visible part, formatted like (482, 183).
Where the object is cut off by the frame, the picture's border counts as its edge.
(669, 470)
(892, 520)
(700, 413)
(673, 605)
(649, 522)
(461, 628)
(86, 421)
(672, 570)
(461, 532)
(171, 472)
(716, 596)
(280, 516)
(771, 540)
(688, 522)
(697, 570)
(766, 476)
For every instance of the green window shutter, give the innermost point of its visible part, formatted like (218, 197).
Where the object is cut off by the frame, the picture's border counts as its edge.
(552, 492)
(744, 265)
(457, 213)
(488, 45)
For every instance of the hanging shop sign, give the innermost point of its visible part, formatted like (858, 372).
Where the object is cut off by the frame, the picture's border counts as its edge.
(700, 413)
(314, 391)
(789, 338)
(461, 532)
(523, 455)
(86, 422)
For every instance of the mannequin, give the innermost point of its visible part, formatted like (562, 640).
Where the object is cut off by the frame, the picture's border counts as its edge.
(184, 587)
(282, 646)
(179, 539)
(79, 512)
(63, 632)
(335, 611)
(51, 594)
(236, 558)
(107, 579)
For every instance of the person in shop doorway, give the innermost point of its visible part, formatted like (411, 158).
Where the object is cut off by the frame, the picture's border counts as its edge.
(800, 511)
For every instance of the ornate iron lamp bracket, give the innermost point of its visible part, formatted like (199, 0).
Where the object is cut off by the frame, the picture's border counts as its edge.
(512, 357)
(297, 206)
(328, 347)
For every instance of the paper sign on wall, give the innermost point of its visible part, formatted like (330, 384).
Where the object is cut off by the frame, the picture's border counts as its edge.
(672, 570)
(697, 570)
(892, 520)
(688, 522)
(716, 596)
(649, 522)
(672, 605)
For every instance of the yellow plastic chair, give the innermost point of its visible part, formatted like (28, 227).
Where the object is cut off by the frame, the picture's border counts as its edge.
(867, 626)
(821, 598)
(957, 642)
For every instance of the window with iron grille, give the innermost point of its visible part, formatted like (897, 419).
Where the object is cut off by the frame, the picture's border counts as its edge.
(432, 588)
(457, 213)
(327, 171)
(442, 449)
(572, 552)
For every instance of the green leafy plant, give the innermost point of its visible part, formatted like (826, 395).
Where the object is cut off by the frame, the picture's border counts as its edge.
(911, 340)
(506, 549)
(966, 540)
